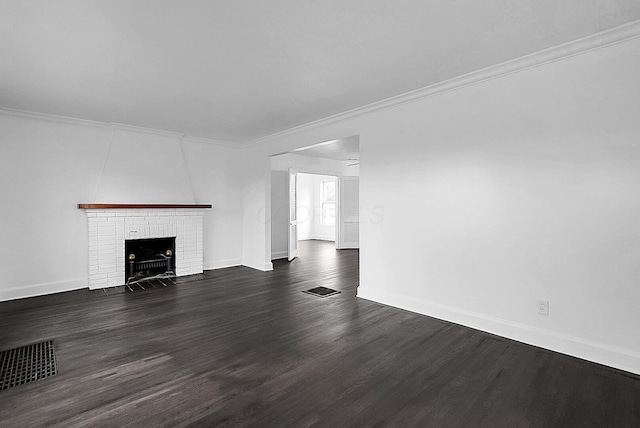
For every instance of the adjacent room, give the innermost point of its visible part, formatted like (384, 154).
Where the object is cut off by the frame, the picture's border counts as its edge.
(319, 185)
(337, 213)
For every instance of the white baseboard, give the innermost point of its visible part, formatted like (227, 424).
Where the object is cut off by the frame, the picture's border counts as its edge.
(221, 264)
(262, 267)
(33, 290)
(613, 356)
(319, 238)
(279, 255)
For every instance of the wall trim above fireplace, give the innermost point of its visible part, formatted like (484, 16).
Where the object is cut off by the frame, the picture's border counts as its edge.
(140, 206)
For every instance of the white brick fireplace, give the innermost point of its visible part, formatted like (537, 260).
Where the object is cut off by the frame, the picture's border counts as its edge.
(111, 225)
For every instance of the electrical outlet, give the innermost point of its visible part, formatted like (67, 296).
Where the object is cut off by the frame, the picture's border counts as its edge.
(543, 307)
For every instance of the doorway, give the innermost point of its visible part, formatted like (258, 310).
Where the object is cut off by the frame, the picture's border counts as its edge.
(326, 197)
(316, 211)
(316, 203)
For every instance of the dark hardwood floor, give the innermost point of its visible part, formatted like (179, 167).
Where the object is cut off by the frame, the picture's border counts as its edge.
(238, 347)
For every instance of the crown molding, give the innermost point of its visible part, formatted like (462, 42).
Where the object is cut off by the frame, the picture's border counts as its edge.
(112, 126)
(53, 118)
(143, 130)
(580, 46)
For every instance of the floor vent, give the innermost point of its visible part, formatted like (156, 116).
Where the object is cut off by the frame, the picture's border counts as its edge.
(322, 291)
(27, 364)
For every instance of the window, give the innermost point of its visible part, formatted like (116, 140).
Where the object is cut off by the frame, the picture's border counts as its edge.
(328, 203)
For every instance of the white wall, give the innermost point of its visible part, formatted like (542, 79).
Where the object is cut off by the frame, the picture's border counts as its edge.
(256, 206)
(279, 214)
(479, 201)
(216, 175)
(48, 166)
(305, 196)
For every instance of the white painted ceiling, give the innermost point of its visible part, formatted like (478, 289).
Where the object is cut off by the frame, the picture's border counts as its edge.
(235, 70)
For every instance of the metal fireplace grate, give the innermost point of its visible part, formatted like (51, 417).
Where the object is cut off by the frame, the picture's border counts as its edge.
(152, 264)
(27, 364)
(322, 291)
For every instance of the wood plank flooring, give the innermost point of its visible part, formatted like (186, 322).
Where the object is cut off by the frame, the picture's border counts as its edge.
(238, 347)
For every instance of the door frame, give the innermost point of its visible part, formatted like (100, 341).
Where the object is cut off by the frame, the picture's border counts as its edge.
(292, 252)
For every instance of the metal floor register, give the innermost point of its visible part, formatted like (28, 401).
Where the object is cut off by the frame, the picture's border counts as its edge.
(27, 364)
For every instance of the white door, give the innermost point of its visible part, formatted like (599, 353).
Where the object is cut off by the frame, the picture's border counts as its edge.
(349, 213)
(293, 214)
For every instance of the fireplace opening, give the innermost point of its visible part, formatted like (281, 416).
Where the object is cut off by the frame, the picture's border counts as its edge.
(147, 259)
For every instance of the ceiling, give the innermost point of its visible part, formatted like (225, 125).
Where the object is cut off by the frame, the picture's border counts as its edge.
(235, 71)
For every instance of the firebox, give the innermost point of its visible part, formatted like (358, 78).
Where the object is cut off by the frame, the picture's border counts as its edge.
(147, 259)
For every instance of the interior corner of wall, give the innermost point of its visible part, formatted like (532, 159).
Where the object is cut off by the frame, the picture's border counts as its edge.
(264, 267)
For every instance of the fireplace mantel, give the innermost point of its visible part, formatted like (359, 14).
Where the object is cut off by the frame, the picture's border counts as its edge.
(140, 206)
